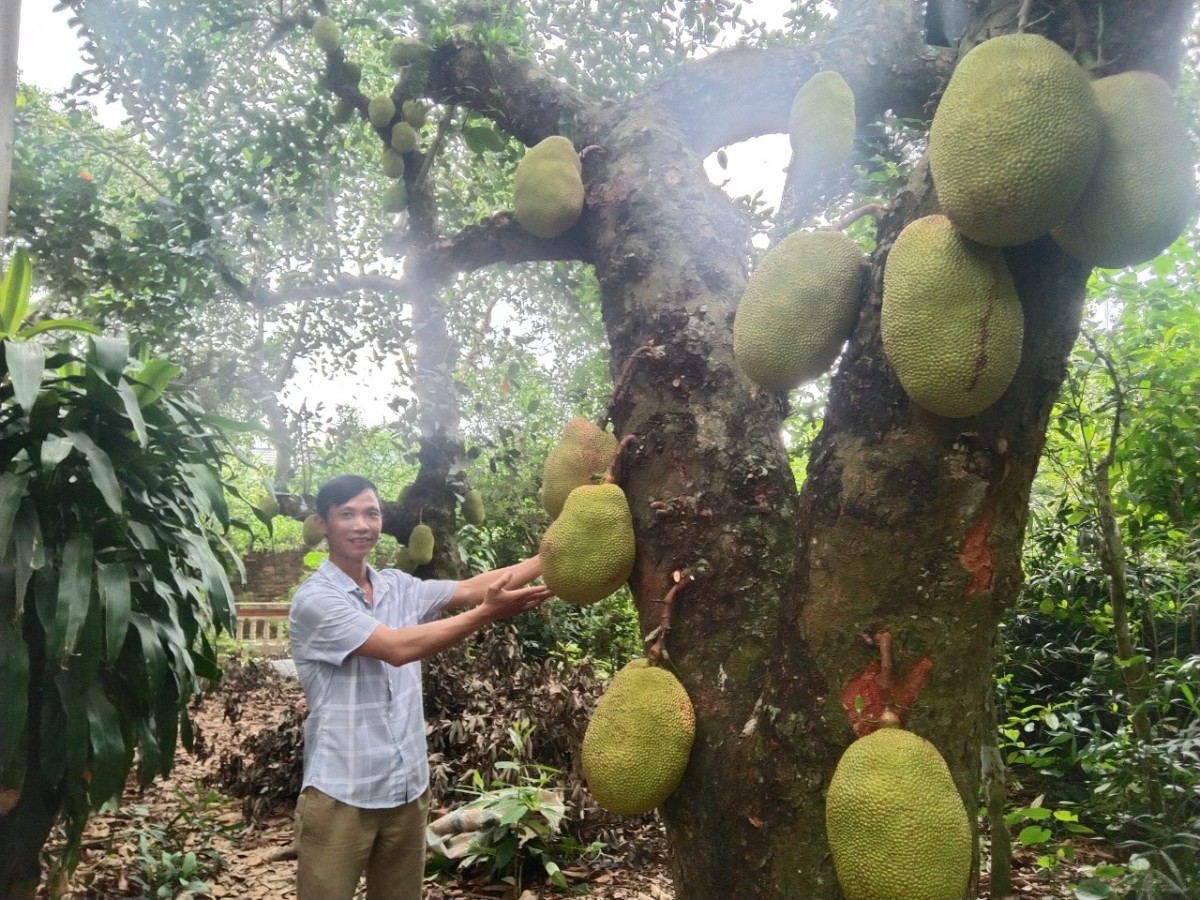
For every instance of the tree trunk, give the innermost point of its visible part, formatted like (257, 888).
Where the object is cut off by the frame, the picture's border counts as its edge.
(906, 522)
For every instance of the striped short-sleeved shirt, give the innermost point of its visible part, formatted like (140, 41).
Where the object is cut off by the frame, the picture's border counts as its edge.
(364, 739)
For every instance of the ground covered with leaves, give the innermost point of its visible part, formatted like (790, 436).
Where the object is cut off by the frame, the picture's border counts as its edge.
(221, 825)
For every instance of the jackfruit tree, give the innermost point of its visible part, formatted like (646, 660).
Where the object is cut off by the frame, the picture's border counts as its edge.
(906, 519)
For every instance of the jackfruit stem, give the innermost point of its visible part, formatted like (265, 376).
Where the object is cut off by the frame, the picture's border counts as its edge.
(682, 579)
(884, 678)
(610, 476)
(870, 209)
(647, 349)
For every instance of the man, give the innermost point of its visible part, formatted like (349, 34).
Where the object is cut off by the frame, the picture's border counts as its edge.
(357, 637)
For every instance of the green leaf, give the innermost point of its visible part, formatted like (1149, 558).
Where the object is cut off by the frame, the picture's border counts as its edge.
(111, 354)
(12, 489)
(14, 677)
(152, 379)
(113, 582)
(1033, 834)
(74, 591)
(73, 325)
(134, 410)
(109, 760)
(26, 363)
(1093, 890)
(14, 293)
(482, 137)
(101, 468)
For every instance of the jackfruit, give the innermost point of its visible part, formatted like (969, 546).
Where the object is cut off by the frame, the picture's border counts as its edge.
(327, 34)
(951, 322)
(414, 113)
(395, 198)
(897, 826)
(1014, 139)
(404, 561)
(821, 125)
(638, 740)
(408, 51)
(547, 188)
(312, 534)
(381, 110)
(582, 452)
(587, 552)
(343, 109)
(268, 505)
(420, 544)
(1141, 195)
(393, 165)
(798, 309)
(404, 138)
(472, 507)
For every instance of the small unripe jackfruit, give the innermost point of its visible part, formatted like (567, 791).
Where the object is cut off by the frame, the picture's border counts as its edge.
(548, 188)
(408, 51)
(420, 544)
(312, 533)
(343, 109)
(395, 198)
(268, 505)
(1013, 140)
(798, 309)
(897, 826)
(638, 740)
(393, 165)
(821, 125)
(381, 110)
(404, 138)
(414, 113)
(583, 451)
(472, 507)
(951, 321)
(588, 551)
(327, 34)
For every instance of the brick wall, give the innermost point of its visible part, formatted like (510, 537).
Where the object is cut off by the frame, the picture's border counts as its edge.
(270, 577)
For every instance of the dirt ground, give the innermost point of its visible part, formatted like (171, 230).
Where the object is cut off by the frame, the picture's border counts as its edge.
(184, 814)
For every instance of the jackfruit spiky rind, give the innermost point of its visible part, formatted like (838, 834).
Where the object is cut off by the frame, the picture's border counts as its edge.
(548, 188)
(327, 34)
(381, 109)
(1142, 193)
(311, 532)
(583, 451)
(1014, 139)
(393, 164)
(408, 51)
(268, 505)
(896, 824)
(821, 125)
(420, 544)
(343, 109)
(638, 740)
(414, 113)
(798, 309)
(404, 138)
(588, 551)
(951, 321)
(472, 507)
(395, 198)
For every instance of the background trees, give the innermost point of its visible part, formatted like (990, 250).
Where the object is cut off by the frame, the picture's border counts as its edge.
(904, 522)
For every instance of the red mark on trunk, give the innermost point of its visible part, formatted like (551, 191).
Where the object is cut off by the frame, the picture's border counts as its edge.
(976, 555)
(862, 697)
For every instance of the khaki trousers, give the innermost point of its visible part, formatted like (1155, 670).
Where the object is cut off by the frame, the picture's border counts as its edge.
(336, 842)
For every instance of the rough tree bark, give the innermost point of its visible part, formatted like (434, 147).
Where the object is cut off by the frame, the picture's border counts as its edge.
(906, 522)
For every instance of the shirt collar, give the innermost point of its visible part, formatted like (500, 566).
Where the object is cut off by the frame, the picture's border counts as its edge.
(341, 580)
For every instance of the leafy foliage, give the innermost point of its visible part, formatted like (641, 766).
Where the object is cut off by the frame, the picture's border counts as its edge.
(112, 580)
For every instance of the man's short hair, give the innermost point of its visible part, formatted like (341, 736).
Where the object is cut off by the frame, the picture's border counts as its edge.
(339, 490)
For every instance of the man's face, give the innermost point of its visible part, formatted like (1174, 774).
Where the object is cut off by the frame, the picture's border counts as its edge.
(352, 528)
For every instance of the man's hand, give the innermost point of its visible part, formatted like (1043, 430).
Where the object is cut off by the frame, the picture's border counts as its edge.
(501, 603)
